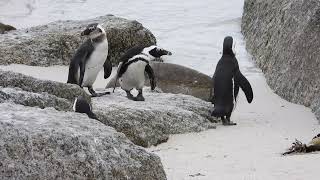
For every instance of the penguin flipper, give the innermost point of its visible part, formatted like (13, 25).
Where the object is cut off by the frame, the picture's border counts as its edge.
(82, 69)
(118, 75)
(211, 98)
(148, 69)
(107, 67)
(235, 91)
(240, 80)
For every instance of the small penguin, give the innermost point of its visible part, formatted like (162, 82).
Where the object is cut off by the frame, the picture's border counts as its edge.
(226, 82)
(80, 105)
(132, 67)
(90, 58)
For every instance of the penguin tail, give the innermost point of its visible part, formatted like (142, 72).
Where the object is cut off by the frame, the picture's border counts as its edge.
(218, 112)
(92, 115)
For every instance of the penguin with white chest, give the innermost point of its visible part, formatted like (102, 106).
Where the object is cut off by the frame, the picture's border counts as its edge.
(90, 58)
(227, 80)
(134, 63)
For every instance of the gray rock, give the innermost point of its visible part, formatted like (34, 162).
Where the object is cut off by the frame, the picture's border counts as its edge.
(4, 28)
(284, 39)
(31, 84)
(55, 43)
(46, 144)
(150, 122)
(42, 100)
(173, 78)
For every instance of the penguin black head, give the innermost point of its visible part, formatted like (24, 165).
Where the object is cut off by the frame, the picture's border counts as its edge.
(93, 30)
(82, 106)
(156, 51)
(228, 46)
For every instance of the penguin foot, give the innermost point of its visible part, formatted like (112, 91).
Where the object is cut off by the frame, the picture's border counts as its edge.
(99, 94)
(228, 123)
(139, 98)
(130, 96)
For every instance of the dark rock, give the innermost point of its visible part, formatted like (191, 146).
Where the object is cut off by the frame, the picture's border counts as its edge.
(4, 28)
(152, 121)
(55, 43)
(47, 144)
(173, 78)
(284, 39)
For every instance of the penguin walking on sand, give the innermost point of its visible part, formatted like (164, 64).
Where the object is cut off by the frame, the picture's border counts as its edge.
(80, 105)
(226, 82)
(90, 58)
(134, 63)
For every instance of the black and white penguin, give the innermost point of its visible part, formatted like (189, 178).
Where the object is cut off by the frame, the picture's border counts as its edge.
(80, 105)
(90, 58)
(134, 63)
(226, 82)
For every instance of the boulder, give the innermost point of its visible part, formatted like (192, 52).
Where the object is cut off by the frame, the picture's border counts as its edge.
(31, 84)
(173, 78)
(284, 39)
(46, 144)
(41, 100)
(4, 28)
(55, 43)
(152, 121)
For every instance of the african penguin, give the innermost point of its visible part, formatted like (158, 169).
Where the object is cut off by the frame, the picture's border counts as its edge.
(226, 81)
(80, 105)
(90, 58)
(132, 67)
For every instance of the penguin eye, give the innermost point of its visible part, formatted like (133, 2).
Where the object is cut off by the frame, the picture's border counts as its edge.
(99, 30)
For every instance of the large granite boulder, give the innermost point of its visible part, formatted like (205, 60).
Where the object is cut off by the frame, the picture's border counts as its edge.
(47, 144)
(41, 100)
(173, 78)
(31, 84)
(5, 27)
(152, 121)
(284, 39)
(55, 43)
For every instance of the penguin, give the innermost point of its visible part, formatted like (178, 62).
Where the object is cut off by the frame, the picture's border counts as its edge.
(80, 105)
(133, 64)
(226, 81)
(90, 58)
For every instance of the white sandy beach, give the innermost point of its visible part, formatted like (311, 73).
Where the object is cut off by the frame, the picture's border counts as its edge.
(194, 31)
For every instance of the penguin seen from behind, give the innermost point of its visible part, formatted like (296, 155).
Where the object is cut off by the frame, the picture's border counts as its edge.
(227, 79)
(80, 105)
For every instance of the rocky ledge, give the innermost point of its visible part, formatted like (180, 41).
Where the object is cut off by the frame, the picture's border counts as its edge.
(152, 121)
(284, 39)
(47, 144)
(55, 43)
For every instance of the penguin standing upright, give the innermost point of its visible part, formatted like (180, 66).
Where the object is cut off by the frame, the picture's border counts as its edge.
(132, 67)
(90, 58)
(226, 82)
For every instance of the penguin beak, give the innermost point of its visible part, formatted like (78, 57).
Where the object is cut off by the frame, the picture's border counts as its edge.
(165, 52)
(85, 32)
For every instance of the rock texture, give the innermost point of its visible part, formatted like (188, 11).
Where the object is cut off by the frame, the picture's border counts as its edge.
(55, 43)
(4, 28)
(284, 39)
(173, 78)
(41, 100)
(150, 122)
(46, 144)
(31, 84)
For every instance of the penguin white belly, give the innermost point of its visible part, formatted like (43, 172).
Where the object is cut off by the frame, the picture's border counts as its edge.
(134, 76)
(95, 63)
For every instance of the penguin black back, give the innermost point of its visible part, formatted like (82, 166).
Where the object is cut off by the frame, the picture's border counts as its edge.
(226, 82)
(82, 106)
